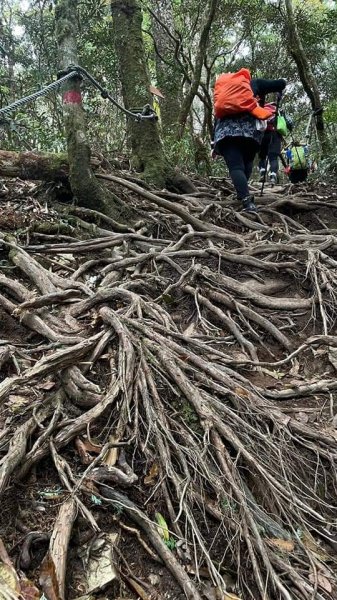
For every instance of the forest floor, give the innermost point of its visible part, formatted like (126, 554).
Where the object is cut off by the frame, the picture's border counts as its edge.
(168, 395)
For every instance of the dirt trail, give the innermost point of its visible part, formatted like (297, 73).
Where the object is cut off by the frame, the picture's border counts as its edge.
(167, 396)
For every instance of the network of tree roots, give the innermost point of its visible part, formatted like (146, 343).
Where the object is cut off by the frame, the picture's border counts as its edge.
(181, 371)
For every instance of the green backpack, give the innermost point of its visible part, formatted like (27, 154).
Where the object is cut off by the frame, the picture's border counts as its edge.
(281, 125)
(298, 157)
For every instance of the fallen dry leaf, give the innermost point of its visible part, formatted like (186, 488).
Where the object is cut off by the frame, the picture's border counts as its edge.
(150, 478)
(16, 402)
(284, 545)
(8, 580)
(47, 385)
(111, 456)
(323, 581)
(98, 560)
(319, 352)
(28, 590)
(283, 419)
(310, 543)
(241, 392)
(65, 258)
(295, 368)
(190, 330)
(84, 447)
(48, 579)
(96, 449)
(302, 416)
(84, 455)
(215, 593)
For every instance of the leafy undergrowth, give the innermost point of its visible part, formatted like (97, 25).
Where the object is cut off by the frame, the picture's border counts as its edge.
(167, 393)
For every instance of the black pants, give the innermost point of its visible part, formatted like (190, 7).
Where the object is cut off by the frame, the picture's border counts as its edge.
(271, 148)
(239, 154)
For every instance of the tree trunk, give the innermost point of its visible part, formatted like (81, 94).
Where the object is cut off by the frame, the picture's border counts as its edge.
(147, 151)
(208, 19)
(308, 80)
(169, 76)
(85, 187)
(45, 166)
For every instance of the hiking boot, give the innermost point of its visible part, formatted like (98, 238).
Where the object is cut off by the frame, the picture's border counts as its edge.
(249, 205)
(262, 175)
(273, 179)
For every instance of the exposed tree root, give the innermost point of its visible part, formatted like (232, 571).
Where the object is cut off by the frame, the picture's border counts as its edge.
(150, 363)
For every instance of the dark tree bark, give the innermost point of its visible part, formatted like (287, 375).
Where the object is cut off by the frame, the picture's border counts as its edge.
(308, 80)
(208, 18)
(85, 187)
(147, 150)
(169, 76)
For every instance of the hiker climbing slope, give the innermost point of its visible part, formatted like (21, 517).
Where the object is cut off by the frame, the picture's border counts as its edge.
(297, 154)
(240, 124)
(297, 158)
(270, 149)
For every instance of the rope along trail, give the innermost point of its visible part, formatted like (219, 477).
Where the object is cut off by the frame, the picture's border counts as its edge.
(76, 71)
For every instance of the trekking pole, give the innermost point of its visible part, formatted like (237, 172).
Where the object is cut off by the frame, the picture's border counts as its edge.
(278, 102)
(314, 113)
(265, 173)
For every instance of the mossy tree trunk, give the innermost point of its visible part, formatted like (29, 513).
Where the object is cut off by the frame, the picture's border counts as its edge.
(169, 75)
(45, 166)
(147, 151)
(306, 75)
(85, 187)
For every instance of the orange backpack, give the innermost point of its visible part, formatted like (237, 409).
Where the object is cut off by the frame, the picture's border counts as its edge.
(233, 95)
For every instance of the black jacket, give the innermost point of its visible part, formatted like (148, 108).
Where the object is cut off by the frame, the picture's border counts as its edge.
(262, 87)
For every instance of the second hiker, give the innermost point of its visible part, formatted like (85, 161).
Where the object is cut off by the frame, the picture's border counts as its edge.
(240, 124)
(270, 148)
